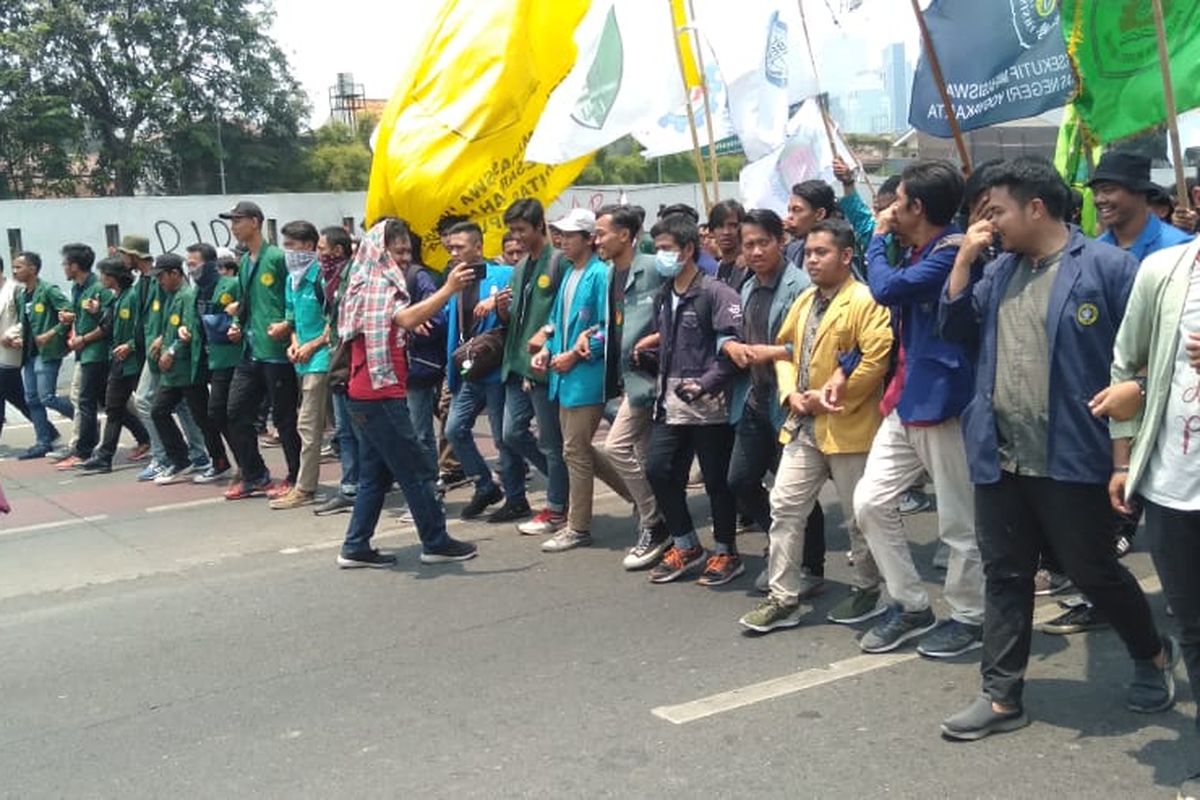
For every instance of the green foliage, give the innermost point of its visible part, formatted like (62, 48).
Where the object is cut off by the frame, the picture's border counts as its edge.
(620, 164)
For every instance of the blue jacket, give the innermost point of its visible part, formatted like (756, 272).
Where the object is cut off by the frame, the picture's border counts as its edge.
(496, 280)
(938, 375)
(792, 284)
(426, 354)
(583, 385)
(1156, 236)
(1087, 303)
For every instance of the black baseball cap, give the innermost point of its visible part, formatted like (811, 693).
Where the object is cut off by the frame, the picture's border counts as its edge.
(168, 262)
(244, 208)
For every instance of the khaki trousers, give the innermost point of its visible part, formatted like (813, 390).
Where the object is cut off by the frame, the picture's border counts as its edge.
(585, 463)
(314, 402)
(627, 448)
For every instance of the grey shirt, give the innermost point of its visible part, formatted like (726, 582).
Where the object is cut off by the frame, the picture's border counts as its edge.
(1022, 393)
(757, 321)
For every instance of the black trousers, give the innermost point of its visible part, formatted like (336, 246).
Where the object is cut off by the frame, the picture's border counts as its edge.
(93, 378)
(253, 381)
(219, 382)
(756, 451)
(1016, 519)
(12, 390)
(1175, 547)
(196, 397)
(119, 412)
(668, 464)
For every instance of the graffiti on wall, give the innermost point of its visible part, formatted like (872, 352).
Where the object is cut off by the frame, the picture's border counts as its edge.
(173, 237)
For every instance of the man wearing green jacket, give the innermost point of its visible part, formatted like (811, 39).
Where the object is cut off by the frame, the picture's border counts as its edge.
(525, 309)
(88, 339)
(184, 373)
(44, 342)
(222, 354)
(123, 320)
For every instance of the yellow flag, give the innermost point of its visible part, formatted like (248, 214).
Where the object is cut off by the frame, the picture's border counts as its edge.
(452, 138)
(681, 14)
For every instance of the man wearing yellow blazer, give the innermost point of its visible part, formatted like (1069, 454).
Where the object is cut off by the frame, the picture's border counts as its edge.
(828, 431)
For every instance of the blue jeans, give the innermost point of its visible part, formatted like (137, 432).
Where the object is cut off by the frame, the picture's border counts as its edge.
(422, 401)
(471, 398)
(388, 450)
(144, 402)
(41, 382)
(546, 451)
(347, 445)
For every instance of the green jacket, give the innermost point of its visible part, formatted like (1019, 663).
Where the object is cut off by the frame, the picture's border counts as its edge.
(181, 312)
(126, 329)
(152, 315)
(1149, 339)
(533, 293)
(263, 283)
(223, 355)
(98, 351)
(38, 312)
(629, 322)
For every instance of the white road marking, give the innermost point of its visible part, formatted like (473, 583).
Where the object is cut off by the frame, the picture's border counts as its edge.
(46, 526)
(207, 501)
(811, 678)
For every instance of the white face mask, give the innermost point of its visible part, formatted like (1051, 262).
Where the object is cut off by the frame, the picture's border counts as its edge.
(298, 262)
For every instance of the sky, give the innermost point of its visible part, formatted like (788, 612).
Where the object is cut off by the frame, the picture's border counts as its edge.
(375, 40)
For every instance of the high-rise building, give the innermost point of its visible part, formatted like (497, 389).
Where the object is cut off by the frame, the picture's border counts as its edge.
(896, 83)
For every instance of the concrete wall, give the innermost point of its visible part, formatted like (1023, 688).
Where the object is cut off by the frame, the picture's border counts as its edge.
(172, 223)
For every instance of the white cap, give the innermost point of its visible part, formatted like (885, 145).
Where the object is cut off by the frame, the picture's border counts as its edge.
(225, 252)
(577, 220)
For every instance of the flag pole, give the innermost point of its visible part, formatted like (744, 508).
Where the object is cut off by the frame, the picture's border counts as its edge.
(936, 68)
(708, 117)
(687, 93)
(1164, 61)
(823, 99)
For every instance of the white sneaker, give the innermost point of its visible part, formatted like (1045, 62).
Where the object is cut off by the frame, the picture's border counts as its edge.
(647, 552)
(565, 540)
(545, 522)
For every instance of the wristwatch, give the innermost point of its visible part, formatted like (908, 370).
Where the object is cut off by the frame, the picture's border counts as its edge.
(1140, 380)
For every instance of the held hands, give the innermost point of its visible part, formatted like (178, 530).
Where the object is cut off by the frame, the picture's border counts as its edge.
(279, 331)
(184, 334)
(805, 404)
(1120, 402)
(75, 343)
(156, 347)
(583, 344)
(66, 317)
(564, 362)
(740, 354)
(44, 339)
(122, 352)
(92, 306)
(165, 362)
(541, 360)
(233, 308)
(234, 334)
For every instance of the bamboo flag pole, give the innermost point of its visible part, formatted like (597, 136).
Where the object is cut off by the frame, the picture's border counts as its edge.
(823, 99)
(708, 118)
(687, 93)
(1164, 60)
(936, 68)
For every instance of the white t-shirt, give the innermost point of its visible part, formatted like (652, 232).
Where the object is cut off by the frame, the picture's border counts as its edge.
(1173, 474)
(9, 357)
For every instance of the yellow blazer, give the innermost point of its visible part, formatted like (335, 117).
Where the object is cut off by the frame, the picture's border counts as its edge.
(853, 320)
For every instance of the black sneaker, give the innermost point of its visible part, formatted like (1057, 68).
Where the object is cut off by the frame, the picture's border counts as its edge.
(1077, 618)
(370, 558)
(448, 481)
(37, 451)
(897, 628)
(336, 504)
(979, 719)
(453, 550)
(480, 501)
(95, 466)
(511, 512)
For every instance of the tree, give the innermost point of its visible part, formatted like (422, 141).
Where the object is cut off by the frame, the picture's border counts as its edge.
(620, 164)
(140, 73)
(340, 160)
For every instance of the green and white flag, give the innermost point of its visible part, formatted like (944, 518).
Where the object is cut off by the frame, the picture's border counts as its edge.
(626, 76)
(1114, 48)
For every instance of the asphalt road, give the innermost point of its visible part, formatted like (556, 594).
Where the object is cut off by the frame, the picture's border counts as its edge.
(160, 642)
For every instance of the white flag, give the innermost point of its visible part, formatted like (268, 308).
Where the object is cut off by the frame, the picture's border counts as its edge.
(625, 77)
(671, 132)
(763, 58)
(768, 182)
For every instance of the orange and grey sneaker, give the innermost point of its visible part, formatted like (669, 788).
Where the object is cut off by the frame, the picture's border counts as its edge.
(677, 563)
(721, 569)
(70, 462)
(139, 453)
(279, 490)
(242, 489)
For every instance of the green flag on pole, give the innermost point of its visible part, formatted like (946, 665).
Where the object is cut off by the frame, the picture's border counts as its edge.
(1114, 49)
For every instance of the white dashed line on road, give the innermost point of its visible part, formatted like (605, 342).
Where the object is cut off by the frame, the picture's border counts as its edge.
(46, 526)
(207, 501)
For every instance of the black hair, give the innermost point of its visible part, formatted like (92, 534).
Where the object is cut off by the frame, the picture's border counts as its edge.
(508, 236)
(1, 263)
(977, 183)
(527, 209)
(31, 258)
(228, 262)
(817, 194)
(394, 229)
(169, 261)
(301, 231)
(723, 211)
(206, 250)
(1075, 212)
(841, 231)
(939, 187)
(123, 276)
(470, 228)
(336, 236)
(766, 219)
(622, 217)
(677, 209)
(889, 186)
(448, 221)
(414, 241)
(640, 213)
(679, 228)
(1027, 178)
(80, 255)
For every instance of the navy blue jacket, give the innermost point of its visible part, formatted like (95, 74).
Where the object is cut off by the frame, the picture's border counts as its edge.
(1087, 303)
(938, 374)
(426, 354)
